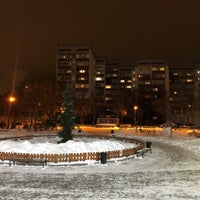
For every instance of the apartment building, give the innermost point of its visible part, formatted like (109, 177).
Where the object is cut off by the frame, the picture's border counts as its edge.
(76, 67)
(111, 84)
(151, 89)
(162, 92)
(100, 84)
(182, 82)
(196, 105)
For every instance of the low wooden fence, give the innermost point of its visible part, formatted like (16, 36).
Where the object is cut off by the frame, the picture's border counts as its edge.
(76, 157)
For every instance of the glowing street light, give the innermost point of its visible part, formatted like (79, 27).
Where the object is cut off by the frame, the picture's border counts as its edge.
(11, 100)
(135, 108)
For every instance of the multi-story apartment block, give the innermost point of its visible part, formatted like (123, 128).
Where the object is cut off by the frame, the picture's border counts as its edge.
(111, 84)
(170, 93)
(100, 83)
(125, 76)
(76, 67)
(151, 87)
(182, 82)
(126, 95)
(196, 105)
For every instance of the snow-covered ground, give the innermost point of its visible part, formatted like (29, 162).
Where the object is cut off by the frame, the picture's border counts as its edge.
(78, 145)
(172, 171)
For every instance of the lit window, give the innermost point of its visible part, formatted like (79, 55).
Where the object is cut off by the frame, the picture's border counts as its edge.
(99, 79)
(108, 86)
(82, 79)
(128, 86)
(175, 74)
(82, 71)
(175, 92)
(189, 80)
(122, 81)
(162, 68)
(147, 83)
(155, 89)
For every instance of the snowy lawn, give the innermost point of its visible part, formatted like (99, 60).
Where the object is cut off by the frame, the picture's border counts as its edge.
(78, 145)
(171, 172)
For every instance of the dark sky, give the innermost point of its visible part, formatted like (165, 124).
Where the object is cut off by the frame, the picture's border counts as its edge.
(121, 29)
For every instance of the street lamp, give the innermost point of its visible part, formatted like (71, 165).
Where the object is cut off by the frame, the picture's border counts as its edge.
(11, 100)
(135, 108)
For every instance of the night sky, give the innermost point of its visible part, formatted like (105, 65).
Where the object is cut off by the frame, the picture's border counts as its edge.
(116, 29)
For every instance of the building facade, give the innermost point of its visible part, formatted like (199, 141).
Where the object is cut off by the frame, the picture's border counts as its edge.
(196, 105)
(76, 67)
(161, 92)
(151, 90)
(182, 85)
(111, 83)
(100, 84)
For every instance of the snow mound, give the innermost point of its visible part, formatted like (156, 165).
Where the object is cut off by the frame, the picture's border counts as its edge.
(71, 146)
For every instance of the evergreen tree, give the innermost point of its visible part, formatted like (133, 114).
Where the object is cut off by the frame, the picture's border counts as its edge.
(67, 118)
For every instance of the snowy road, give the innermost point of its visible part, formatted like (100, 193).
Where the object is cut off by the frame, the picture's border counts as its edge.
(170, 172)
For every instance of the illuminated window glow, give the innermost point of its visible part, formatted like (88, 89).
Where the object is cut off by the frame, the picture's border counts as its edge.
(108, 86)
(82, 71)
(147, 83)
(155, 89)
(99, 78)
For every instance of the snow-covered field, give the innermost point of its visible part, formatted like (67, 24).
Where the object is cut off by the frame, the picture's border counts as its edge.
(78, 145)
(172, 171)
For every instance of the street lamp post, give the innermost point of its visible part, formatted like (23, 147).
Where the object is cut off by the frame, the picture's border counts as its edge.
(11, 99)
(135, 108)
